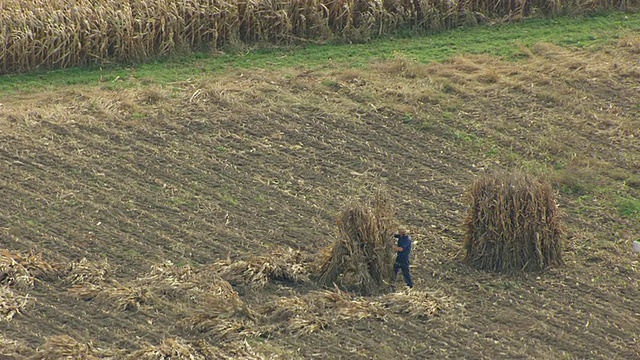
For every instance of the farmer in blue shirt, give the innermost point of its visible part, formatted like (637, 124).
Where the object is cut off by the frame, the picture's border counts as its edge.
(402, 260)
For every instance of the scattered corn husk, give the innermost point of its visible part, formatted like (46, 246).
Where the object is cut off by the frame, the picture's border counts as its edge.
(114, 294)
(21, 271)
(65, 347)
(12, 304)
(13, 349)
(216, 308)
(223, 316)
(316, 311)
(164, 282)
(320, 310)
(415, 303)
(258, 271)
(83, 271)
(180, 349)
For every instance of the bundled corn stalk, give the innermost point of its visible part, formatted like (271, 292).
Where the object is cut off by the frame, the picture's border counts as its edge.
(512, 223)
(258, 271)
(67, 348)
(12, 304)
(180, 349)
(362, 255)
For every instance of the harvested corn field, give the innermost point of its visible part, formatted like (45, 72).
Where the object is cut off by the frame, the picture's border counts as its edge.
(190, 220)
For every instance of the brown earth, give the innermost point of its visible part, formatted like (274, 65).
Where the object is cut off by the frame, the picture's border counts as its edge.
(260, 163)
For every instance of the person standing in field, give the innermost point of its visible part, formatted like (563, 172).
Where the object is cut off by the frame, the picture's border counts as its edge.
(403, 248)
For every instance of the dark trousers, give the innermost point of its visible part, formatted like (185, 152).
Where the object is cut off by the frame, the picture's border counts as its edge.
(405, 272)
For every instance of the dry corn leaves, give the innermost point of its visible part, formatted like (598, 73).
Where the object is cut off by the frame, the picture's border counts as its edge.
(84, 271)
(319, 310)
(13, 349)
(12, 304)
(165, 282)
(215, 308)
(219, 313)
(21, 271)
(415, 303)
(258, 271)
(180, 349)
(66, 347)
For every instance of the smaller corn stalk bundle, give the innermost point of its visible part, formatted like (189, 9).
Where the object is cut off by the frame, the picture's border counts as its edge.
(512, 224)
(362, 253)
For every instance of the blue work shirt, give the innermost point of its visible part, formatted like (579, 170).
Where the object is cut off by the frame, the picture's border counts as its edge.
(404, 241)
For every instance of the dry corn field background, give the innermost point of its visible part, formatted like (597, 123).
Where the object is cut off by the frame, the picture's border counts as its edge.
(222, 216)
(42, 34)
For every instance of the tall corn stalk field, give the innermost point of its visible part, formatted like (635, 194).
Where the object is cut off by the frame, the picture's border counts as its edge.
(38, 34)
